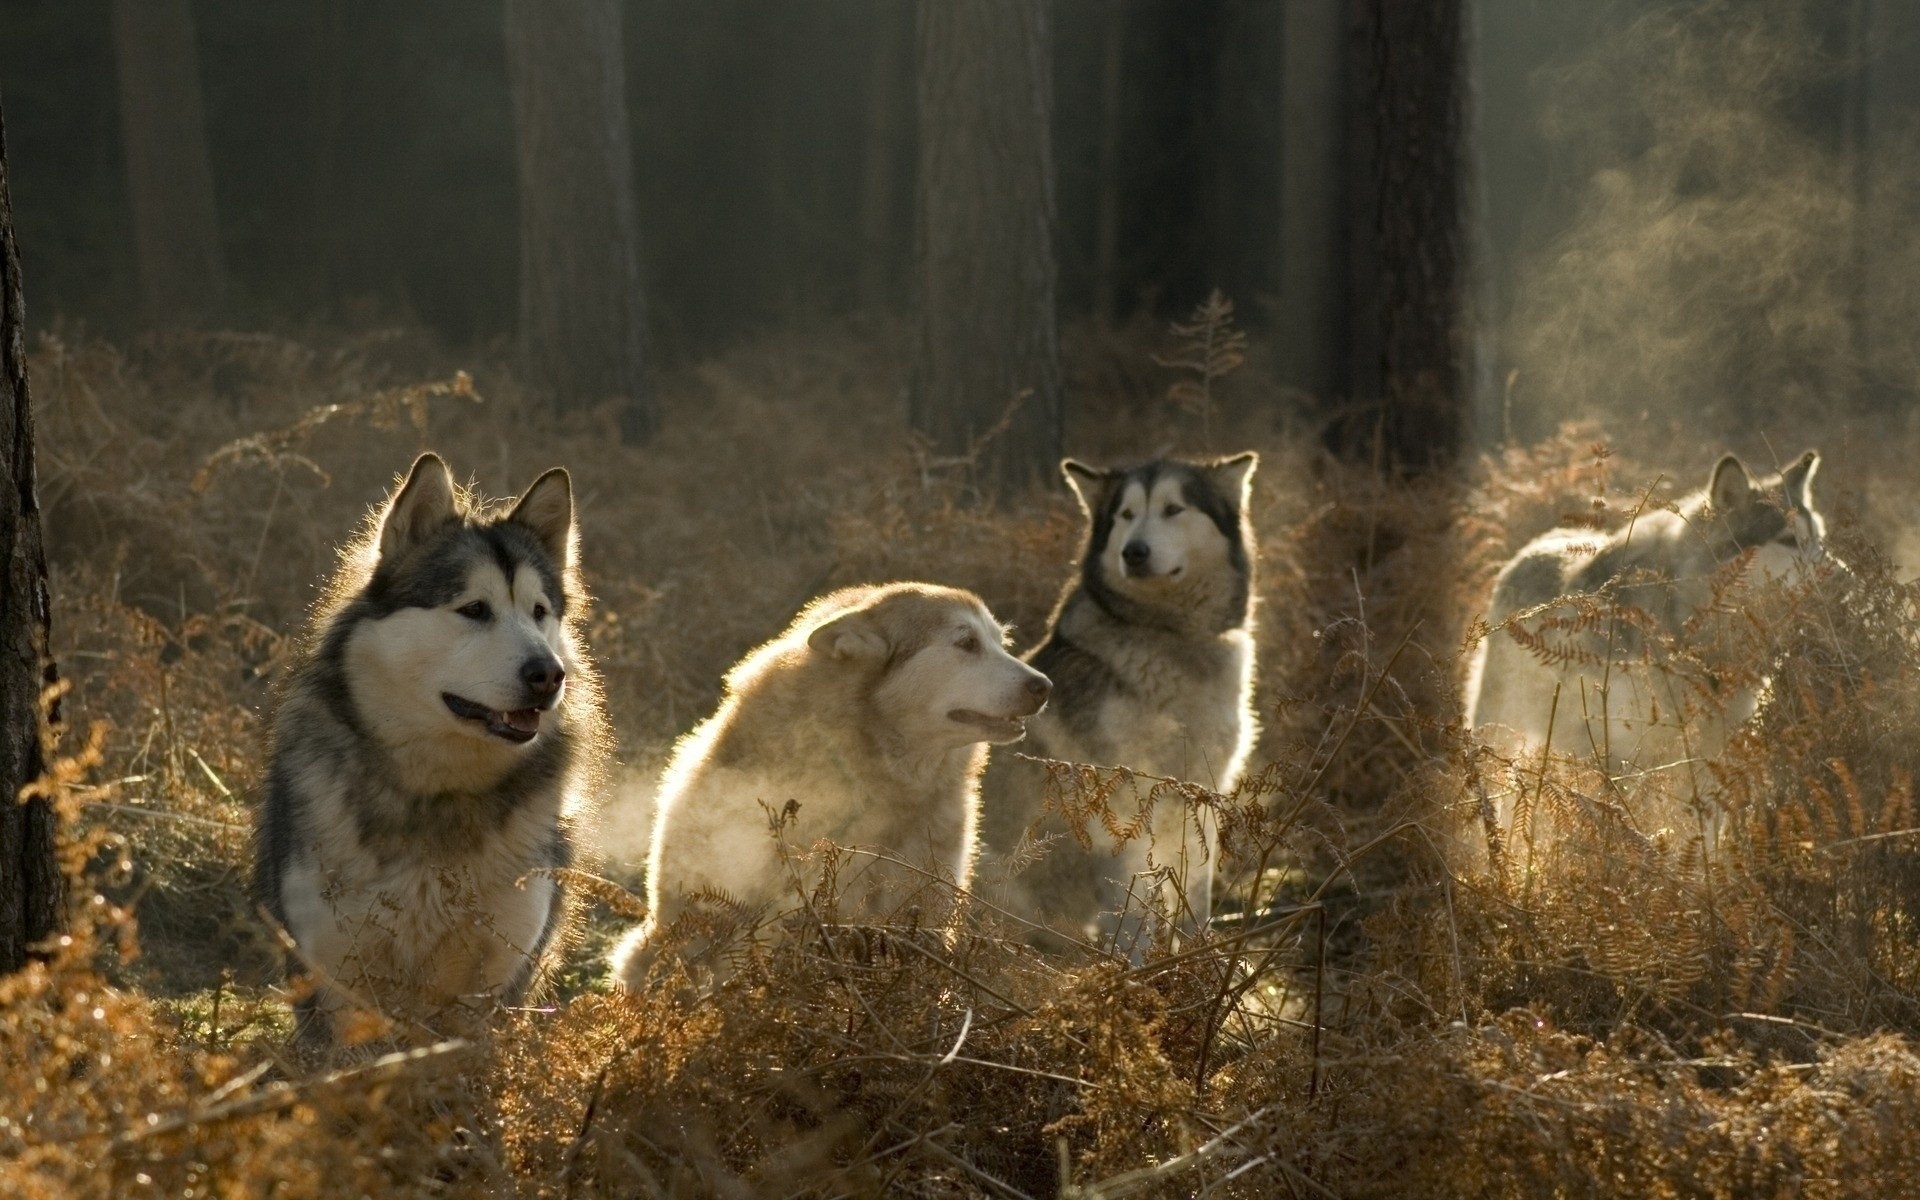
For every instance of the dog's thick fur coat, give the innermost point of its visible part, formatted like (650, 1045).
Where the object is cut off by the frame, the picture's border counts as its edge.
(864, 724)
(435, 740)
(1151, 651)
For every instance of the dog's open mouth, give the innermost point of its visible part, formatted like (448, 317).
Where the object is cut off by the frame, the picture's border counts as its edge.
(521, 725)
(997, 729)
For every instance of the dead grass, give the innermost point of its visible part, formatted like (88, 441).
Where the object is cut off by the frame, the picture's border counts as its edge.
(1387, 1009)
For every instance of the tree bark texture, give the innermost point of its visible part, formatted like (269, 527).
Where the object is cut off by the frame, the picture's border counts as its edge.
(879, 184)
(582, 321)
(1407, 243)
(985, 220)
(1312, 82)
(176, 230)
(31, 890)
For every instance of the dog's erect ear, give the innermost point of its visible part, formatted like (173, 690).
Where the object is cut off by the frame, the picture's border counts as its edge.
(1233, 477)
(423, 504)
(851, 635)
(1730, 488)
(1798, 478)
(1088, 483)
(547, 509)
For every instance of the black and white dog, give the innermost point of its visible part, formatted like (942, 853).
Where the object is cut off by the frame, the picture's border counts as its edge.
(1151, 655)
(438, 736)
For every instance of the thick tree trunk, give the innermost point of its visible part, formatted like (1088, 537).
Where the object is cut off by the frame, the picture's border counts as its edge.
(886, 75)
(582, 323)
(30, 884)
(169, 180)
(987, 337)
(1106, 212)
(1407, 288)
(1312, 79)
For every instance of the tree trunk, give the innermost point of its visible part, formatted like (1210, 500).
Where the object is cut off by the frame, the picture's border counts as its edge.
(1407, 288)
(880, 170)
(987, 338)
(1313, 56)
(1106, 213)
(176, 233)
(582, 323)
(30, 885)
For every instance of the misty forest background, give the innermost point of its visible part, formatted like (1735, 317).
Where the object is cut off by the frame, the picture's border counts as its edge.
(814, 292)
(362, 168)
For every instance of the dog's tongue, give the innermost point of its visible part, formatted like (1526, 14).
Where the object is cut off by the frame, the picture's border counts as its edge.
(526, 720)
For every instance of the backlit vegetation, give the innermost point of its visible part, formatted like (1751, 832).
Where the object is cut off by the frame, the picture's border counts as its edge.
(1404, 995)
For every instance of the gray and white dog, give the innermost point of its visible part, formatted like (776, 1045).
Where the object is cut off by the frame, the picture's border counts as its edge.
(1151, 654)
(1621, 694)
(436, 740)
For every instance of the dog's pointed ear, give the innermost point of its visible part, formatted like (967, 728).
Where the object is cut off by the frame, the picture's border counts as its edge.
(1088, 484)
(1731, 487)
(1233, 477)
(423, 504)
(547, 509)
(851, 635)
(1798, 478)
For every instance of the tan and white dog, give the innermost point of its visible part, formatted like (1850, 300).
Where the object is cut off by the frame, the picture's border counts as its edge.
(436, 740)
(864, 724)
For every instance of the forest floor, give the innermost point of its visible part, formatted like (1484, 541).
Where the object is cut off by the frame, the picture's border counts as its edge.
(1591, 1001)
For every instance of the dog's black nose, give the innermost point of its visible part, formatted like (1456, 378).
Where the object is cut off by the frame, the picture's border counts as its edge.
(1135, 553)
(1040, 687)
(543, 676)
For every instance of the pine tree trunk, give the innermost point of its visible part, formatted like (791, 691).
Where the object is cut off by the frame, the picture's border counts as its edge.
(1106, 213)
(1312, 74)
(1407, 290)
(30, 886)
(987, 337)
(163, 127)
(582, 323)
(880, 170)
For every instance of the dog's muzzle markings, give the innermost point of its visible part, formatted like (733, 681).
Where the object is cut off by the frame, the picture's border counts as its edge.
(544, 679)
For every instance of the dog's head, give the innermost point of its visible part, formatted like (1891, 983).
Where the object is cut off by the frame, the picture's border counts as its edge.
(1167, 526)
(1772, 515)
(461, 631)
(935, 662)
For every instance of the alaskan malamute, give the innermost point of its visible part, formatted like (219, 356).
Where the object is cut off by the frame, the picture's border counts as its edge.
(1151, 653)
(436, 739)
(1618, 697)
(864, 724)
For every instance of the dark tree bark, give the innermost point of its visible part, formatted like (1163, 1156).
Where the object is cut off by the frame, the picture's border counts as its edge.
(1406, 239)
(1106, 211)
(582, 323)
(176, 232)
(1311, 286)
(30, 885)
(985, 238)
(879, 184)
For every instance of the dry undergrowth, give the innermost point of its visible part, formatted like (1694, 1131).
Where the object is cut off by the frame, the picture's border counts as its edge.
(1398, 1000)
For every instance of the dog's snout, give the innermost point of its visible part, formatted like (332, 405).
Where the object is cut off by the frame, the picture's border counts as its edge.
(1135, 553)
(1040, 687)
(543, 676)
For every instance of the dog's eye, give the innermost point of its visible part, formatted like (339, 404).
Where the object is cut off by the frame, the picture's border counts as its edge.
(969, 643)
(1173, 510)
(1126, 514)
(478, 610)
(539, 612)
